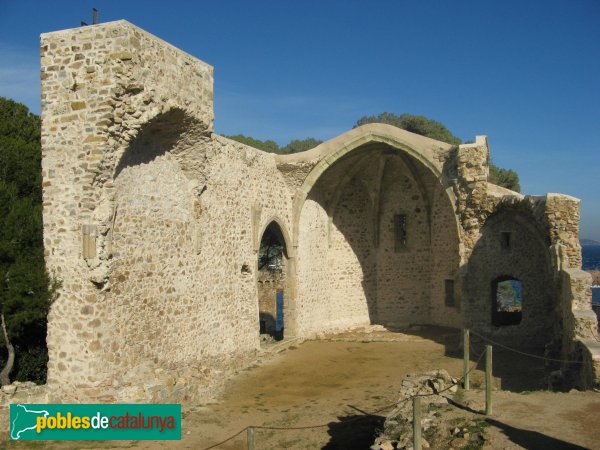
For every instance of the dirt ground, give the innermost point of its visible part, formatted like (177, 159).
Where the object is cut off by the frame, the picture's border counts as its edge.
(338, 382)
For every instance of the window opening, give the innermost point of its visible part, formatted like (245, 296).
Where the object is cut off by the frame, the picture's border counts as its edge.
(507, 305)
(505, 239)
(400, 235)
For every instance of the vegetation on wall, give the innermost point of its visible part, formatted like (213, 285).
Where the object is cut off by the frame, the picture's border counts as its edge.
(422, 125)
(25, 288)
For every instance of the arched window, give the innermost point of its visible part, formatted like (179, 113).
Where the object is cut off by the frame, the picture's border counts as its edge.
(507, 301)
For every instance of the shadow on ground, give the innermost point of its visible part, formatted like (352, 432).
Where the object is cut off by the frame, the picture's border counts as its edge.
(532, 440)
(517, 373)
(353, 432)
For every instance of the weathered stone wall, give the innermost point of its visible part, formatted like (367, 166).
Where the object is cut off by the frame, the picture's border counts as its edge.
(551, 220)
(99, 85)
(363, 278)
(527, 260)
(577, 330)
(158, 286)
(153, 224)
(350, 297)
(312, 269)
(403, 277)
(561, 213)
(445, 243)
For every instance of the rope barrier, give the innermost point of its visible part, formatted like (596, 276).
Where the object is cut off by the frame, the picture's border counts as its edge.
(396, 404)
(391, 405)
(226, 440)
(531, 355)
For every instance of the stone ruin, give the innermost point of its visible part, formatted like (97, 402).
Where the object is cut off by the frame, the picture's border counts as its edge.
(152, 224)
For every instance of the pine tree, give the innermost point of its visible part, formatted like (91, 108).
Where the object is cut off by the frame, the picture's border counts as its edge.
(25, 288)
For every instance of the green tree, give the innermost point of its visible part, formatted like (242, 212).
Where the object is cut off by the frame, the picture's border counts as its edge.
(507, 178)
(300, 145)
(415, 124)
(25, 288)
(295, 146)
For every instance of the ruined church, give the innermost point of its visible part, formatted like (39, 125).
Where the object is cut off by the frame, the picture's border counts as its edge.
(153, 224)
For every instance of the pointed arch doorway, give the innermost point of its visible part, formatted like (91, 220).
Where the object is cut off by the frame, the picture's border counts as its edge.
(272, 282)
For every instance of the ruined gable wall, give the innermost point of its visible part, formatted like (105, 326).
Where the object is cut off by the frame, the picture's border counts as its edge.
(150, 248)
(527, 260)
(561, 295)
(99, 85)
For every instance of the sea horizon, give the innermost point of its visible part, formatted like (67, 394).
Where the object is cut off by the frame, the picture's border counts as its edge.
(591, 261)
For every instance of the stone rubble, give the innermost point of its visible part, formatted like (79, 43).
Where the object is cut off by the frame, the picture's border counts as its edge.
(435, 387)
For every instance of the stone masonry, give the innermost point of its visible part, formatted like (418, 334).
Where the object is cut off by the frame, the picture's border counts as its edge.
(152, 225)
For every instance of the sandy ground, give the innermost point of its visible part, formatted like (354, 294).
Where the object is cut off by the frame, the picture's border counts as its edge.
(333, 382)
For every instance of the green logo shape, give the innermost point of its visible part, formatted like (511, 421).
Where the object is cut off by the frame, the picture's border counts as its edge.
(95, 422)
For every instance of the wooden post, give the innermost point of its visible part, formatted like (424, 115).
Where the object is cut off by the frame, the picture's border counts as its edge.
(417, 423)
(250, 434)
(488, 379)
(466, 353)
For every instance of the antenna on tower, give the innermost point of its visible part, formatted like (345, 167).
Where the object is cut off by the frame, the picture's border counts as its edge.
(94, 18)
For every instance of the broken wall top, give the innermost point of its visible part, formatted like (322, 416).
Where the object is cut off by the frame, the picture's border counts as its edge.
(102, 83)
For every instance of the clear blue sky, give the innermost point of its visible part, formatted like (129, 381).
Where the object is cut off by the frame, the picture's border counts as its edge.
(525, 73)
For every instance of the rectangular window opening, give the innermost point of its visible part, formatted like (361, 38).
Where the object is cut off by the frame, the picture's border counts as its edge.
(449, 293)
(505, 240)
(507, 300)
(400, 235)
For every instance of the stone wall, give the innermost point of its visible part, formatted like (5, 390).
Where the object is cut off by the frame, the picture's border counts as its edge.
(578, 330)
(527, 260)
(350, 296)
(312, 269)
(158, 286)
(360, 276)
(445, 239)
(100, 84)
(553, 222)
(403, 276)
(152, 224)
